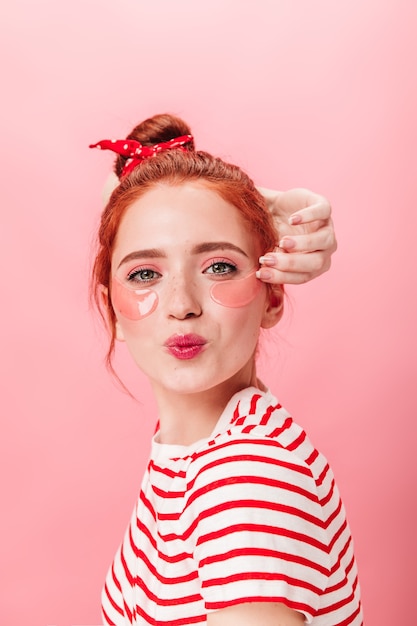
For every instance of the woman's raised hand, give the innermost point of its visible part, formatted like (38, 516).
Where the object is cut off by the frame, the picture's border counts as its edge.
(306, 237)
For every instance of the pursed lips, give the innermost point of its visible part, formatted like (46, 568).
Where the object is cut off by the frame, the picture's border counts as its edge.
(185, 346)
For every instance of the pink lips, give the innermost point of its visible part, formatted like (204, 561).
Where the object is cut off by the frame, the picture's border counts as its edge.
(185, 346)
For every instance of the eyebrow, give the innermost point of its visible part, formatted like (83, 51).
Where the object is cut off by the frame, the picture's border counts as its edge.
(156, 253)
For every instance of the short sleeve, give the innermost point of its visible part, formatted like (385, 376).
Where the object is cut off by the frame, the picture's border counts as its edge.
(258, 533)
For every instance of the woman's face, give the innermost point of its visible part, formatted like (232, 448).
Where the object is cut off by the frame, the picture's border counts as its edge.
(174, 246)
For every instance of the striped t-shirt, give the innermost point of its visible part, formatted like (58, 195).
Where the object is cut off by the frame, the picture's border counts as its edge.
(251, 514)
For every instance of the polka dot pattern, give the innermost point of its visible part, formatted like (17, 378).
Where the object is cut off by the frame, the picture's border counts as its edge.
(136, 152)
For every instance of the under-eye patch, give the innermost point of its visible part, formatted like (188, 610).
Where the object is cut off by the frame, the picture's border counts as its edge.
(133, 304)
(236, 293)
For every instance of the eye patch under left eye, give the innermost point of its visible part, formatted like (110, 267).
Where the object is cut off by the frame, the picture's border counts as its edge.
(133, 304)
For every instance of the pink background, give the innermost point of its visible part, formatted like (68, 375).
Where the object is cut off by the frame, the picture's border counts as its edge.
(319, 94)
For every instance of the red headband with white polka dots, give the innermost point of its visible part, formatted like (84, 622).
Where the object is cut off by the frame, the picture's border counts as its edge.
(138, 152)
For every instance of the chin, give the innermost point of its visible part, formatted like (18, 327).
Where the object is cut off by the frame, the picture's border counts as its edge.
(191, 385)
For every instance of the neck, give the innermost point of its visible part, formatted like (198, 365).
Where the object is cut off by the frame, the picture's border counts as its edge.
(185, 418)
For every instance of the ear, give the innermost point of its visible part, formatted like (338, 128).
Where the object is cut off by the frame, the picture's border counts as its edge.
(105, 297)
(274, 306)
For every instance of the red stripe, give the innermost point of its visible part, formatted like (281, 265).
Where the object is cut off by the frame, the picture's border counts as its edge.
(166, 471)
(280, 429)
(297, 442)
(313, 456)
(147, 504)
(338, 605)
(253, 403)
(294, 582)
(182, 458)
(128, 612)
(176, 558)
(262, 504)
(326, 499)
(338, 534)
(140, 555)
(249, 428)
(267, 553)
(341, 555)
(345, 580)
(144, 531)
(262, 528)
(251, 480)
(237, 528)
(255, 441)
(323, 475)
(296, 467)
(107, 618)
(115, 580)
(254, 504)
(190, 599)
(112, 602)
(351, 618)
(136, 581)
(342, 583)
(123, 561)
(171, 495)
(192, 575)
(333, 516)
(351, 563)
(235, 413)
(267, 415)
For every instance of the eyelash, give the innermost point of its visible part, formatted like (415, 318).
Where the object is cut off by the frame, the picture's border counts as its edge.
(231, 267)
(134, 275)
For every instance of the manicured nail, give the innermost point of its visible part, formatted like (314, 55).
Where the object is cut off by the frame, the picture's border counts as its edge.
(263, 274)
(287, 244)
(267, 260)
(295, 219)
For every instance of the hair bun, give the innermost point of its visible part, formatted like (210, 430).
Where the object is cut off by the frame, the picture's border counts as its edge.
(156, 129)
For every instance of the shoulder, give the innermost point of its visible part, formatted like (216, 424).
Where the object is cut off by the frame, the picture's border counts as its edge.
(237, 453)
(257, 470)
(250, 468)
(255, 437)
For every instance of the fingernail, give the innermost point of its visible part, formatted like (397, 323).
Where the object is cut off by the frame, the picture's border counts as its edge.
(287, 244)
(263, 274)
(267, 260)
(295, 219)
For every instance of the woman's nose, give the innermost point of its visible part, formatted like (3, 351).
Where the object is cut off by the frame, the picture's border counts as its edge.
(183, 299)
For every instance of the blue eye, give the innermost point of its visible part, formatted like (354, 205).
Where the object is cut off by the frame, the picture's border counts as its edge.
(221, 267)
(144, 275)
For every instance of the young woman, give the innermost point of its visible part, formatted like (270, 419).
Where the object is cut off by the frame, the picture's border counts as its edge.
(238, 520)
